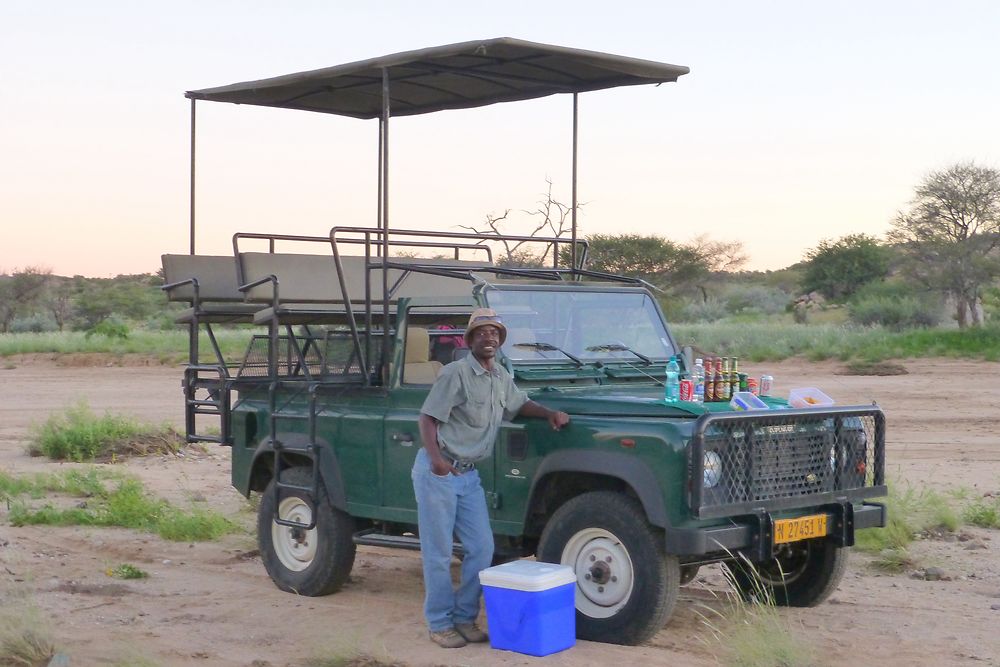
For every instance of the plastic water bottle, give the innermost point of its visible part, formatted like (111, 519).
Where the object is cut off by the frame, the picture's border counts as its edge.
(698, 377)
(672, 386)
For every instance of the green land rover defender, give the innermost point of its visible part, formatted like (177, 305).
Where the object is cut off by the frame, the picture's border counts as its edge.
(348, 331)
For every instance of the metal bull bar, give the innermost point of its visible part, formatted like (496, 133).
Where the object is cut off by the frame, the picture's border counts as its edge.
(766, 461)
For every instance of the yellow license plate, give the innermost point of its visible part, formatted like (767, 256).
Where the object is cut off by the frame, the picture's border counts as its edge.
(802, 528)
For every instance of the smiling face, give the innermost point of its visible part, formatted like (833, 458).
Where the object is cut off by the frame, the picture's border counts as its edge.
(484, 343)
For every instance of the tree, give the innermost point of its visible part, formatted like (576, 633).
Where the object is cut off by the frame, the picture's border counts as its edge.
(552, 219)
(18, 291)
(950, 234)
(131, 297)
(837, 269)
(58, 299)
(662, 262)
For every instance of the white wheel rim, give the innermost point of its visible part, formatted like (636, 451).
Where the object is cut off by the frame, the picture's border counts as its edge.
(604, 572)
(294, 547)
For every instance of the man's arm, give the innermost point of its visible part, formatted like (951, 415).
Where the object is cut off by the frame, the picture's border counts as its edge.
(429, 436)
(557, 418)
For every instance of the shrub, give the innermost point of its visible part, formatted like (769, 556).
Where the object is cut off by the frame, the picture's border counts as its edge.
(894, 313)
(756, 299)
(36, 323)
(109, 328)
(698, 310)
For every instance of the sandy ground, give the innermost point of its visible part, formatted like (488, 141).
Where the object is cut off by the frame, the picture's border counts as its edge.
(213, 604)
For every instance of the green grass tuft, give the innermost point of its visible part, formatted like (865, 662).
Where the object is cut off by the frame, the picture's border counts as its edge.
(126, 505)
(984, 513)
(80, 435)
(126, 571)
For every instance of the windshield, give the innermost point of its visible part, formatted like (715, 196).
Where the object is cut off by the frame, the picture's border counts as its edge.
(581, 326)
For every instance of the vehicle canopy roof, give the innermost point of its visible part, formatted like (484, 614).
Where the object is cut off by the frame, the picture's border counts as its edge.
(455, 76)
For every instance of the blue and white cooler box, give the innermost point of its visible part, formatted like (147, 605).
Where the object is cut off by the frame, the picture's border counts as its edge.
(530, 606)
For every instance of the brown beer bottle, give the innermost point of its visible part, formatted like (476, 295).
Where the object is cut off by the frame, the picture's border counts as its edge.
(719, 383)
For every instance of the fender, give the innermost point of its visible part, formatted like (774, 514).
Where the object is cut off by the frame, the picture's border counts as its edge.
(627, 468)
(329, 466)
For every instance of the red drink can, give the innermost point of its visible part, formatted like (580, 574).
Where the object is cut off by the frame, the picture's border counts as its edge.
(687, 390)
(752, 386)
(765, 385)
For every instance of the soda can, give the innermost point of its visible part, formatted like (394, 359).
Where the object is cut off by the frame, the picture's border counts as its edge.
(765, 385)
(687, 390)
(752, 386)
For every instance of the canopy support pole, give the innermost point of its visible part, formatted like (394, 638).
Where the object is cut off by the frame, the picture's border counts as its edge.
(384, 204)
(573, 266)
(191, 203)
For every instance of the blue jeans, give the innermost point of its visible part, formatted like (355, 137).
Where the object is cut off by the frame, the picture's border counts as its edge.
(448, 506)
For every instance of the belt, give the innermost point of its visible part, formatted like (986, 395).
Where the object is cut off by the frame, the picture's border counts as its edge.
(458, 464)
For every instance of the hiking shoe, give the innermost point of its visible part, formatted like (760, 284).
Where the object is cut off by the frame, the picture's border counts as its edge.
(448, 638)
(471, 633)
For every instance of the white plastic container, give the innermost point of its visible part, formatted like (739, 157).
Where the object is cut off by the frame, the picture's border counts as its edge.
(744, 400)
(530, 606)
(808, 397)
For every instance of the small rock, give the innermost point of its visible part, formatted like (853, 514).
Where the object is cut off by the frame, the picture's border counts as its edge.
(935, 574)
(167, 561)
(972, 546)
(995, 607)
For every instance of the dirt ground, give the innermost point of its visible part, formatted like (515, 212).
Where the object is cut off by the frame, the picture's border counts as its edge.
(213, 604)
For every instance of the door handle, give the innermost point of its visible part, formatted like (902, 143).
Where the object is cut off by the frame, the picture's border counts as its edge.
(405, 439)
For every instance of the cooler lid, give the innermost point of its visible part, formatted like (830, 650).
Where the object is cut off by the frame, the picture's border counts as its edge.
(527, 575)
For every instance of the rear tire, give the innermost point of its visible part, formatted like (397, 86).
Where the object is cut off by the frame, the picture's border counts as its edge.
(311, 563)
(626, 584)
(803, 574)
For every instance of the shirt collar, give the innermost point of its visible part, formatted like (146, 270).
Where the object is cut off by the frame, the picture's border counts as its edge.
(477, 367)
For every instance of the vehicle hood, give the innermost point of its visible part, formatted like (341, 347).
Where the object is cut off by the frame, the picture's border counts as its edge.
(632, 401)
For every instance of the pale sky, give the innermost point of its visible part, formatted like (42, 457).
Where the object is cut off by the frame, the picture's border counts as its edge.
(800, 121)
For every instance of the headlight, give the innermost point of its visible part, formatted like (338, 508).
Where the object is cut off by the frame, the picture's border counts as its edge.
(833, 458)
(713, 469)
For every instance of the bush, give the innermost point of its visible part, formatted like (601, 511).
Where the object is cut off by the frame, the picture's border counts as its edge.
(895, 314)
(754, 299)
(36, 323)
(702, 311)
(109, 328)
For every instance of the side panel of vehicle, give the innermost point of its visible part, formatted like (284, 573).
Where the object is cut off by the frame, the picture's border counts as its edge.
(538, 469)
(349, 430)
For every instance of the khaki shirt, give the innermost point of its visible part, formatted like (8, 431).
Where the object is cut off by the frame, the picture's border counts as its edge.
(470, 402)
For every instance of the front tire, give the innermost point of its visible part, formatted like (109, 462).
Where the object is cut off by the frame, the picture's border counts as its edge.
(313, 562)
(803, 574)
(626, 584)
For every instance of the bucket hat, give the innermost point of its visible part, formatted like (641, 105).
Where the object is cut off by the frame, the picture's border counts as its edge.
(482, 317)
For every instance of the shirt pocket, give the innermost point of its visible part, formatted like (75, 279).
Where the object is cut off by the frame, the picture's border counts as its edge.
(477, 411)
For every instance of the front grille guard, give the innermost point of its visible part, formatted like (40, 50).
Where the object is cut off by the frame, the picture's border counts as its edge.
(784, 459)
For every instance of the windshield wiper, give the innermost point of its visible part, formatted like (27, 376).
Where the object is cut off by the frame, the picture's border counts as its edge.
(619, 347)
(546, 347)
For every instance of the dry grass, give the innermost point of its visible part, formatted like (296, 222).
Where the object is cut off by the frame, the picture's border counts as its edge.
(754, 633)
(25, 639)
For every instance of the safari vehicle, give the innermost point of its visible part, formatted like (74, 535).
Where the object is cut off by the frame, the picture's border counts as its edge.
(353, 327)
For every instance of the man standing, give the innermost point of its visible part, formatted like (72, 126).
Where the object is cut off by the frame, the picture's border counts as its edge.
(458, 423)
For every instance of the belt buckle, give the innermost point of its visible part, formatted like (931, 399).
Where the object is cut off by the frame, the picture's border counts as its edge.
(463, 466)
